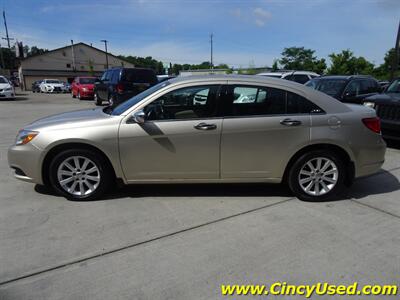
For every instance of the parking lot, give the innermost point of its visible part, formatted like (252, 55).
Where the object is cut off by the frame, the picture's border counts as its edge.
(176, 241)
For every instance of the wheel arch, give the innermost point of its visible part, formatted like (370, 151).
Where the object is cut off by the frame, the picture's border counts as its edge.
(67, 146)
(350, 167)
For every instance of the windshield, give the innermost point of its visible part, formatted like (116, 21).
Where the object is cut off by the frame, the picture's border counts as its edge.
(52, 81)
(332, 87)
(86, 80)
(139, 97)
(3, 80)
(394, 87)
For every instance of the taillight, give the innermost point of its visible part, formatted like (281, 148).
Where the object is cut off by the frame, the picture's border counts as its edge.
(120, 88)
(373, 124)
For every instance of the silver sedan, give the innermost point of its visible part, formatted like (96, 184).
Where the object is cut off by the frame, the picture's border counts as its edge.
(202, 130)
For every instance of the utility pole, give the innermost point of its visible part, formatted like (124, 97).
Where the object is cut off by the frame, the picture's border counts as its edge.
(5, 25)
(211, 42)
(73, 56)
(105, 46)
(396, 62)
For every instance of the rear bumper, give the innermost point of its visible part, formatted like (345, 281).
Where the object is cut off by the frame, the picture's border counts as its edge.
(370, 158)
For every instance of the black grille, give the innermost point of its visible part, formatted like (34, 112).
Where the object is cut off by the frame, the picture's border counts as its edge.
(389, 112)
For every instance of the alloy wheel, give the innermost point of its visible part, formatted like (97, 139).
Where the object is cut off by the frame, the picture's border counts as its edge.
(318, 176)
(78, 175)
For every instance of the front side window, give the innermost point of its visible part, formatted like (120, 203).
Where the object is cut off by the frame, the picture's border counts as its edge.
(353, 88)
(196, 102)
(104, 76)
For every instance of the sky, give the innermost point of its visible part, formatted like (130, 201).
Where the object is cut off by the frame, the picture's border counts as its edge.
(245, 32)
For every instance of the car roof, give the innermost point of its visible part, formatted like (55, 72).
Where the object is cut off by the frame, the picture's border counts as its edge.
(345, 77)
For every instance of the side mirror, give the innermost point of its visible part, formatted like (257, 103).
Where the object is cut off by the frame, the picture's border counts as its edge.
(139, 116)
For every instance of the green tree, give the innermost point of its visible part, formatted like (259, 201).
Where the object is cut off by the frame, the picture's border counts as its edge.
(275, 66)
(384, 71)
(345, 63)
(300, 58)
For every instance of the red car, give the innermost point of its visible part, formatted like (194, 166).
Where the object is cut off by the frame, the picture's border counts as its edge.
(82, 87)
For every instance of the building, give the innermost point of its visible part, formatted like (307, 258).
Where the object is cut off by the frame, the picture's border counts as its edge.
(66, 63)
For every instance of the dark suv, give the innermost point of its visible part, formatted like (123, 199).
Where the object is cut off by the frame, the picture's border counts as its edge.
(387, 107)
(120, 84)
(352, 89)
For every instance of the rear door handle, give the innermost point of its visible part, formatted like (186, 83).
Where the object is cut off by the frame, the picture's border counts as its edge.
(290, 122)
(205, 126)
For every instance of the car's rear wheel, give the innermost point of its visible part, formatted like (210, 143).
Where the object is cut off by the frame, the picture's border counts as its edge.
(80, 174)
(317, 176)
(97, 100)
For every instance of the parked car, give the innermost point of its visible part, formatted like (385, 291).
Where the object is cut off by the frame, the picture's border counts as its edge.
(297, 76)
(36, 86)
(83, 87)
(6, 89)
(387, 106)
(120, 84)
(67, 87)
(287, 133)
(52, 86)
(351, 89)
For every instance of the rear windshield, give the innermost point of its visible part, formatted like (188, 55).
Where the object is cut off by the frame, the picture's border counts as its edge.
(139, 76)
(394, 87)
(332, 87)
(52, 81)
(86, 80)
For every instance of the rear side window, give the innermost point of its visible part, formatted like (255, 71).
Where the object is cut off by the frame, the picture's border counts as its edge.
(139, 76)
(253, 101)
(115, 75)
(248, 101)
(297, 104)
(369, 86)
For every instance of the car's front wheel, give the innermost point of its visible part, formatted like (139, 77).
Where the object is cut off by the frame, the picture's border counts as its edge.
(79, 174)
(317, 176)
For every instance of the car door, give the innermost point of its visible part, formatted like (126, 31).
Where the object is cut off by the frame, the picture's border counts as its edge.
(353, 91)
(260, 132)
(180, 139)
(101, 86)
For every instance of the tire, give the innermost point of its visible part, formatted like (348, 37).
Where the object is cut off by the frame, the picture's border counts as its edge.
(79, 95)
(322, 183)
(77, 184)
(97, 100)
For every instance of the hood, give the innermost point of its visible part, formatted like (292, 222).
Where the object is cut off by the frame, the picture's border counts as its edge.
(389, 98)
(71, 119)
(4, 85)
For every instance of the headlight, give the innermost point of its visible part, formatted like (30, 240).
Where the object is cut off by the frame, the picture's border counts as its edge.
(84, 89)
(25, 136)
(369, 104)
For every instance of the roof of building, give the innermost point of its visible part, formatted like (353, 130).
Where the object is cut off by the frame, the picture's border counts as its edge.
(68, 46)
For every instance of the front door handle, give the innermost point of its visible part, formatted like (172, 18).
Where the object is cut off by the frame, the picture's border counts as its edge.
(205, 126)
(290, 122)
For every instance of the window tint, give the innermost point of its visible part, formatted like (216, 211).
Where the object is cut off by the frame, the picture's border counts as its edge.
(353, 88)
(297, 104)
(299, 78)
(249, 101)
(139, 76)
(196, 102)
(369, 86)
(115, 75)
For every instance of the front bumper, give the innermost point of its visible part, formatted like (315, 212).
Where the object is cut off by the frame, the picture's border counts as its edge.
(87, 93)
(7, 94)
(26, 161)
